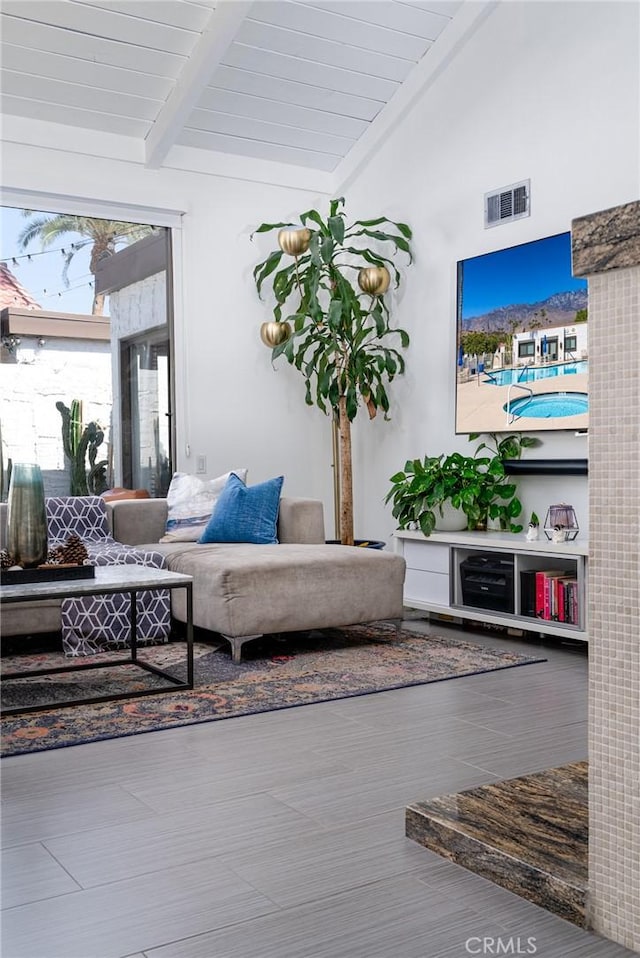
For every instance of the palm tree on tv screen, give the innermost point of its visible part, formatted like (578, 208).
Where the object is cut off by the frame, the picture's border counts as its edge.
(102, 236)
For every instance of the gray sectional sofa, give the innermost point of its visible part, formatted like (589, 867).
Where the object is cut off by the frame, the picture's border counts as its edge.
(242, 591)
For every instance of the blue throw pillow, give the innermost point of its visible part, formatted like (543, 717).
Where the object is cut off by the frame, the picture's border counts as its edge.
(245, 513)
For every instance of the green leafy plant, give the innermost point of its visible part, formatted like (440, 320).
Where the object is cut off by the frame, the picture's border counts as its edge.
(507, 446)
(79, 443)
(476, 484)
(424, 485)
(331, 320)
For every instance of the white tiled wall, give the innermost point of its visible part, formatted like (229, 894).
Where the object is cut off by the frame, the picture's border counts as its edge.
(614, 601)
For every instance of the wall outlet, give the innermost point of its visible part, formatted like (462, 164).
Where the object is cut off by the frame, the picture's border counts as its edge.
(201, 464)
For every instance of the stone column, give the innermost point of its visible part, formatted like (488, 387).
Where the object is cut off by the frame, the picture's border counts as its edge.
(606, 250)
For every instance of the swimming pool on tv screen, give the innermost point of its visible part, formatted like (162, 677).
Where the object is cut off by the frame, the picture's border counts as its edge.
(549, 405)
(532, 374)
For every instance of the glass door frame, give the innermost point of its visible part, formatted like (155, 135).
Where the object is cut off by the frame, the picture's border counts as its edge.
(156, 336)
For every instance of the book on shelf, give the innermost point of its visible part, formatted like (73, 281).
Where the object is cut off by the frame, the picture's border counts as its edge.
(528, 593)
(556, 596)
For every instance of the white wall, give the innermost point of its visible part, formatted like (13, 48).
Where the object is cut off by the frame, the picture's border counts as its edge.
(59, 370)
(232, 407)
(546, 91)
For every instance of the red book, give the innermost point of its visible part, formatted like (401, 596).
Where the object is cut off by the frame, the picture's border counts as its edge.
(545, 584)
(560, 584)
(539, 594)
(556, 577)
(547, 597)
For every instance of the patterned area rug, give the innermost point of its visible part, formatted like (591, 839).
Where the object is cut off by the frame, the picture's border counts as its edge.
(276, 672)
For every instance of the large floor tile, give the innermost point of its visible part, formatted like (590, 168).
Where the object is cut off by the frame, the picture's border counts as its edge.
(100, 763)
(212, 783)
(30, 873)
(319, 865)
(132, 915)
(386, 919)
(533, 751)
(361, 794)
(41, 814)
(165, 841)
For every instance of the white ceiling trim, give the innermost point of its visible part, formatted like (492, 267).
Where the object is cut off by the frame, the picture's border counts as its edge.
(86, 205)
(459, 31)
(223, 24)
(41, 134)
(71, 139)
(236, 167)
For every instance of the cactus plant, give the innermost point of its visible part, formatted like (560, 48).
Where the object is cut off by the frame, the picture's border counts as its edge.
(80, 441)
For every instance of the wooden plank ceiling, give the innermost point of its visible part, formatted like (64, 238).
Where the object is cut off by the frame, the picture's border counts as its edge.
(292, 81)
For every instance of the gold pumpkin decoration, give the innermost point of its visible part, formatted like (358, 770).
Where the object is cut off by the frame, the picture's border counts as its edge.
(294, 242)
(374, 280)
(274, 334)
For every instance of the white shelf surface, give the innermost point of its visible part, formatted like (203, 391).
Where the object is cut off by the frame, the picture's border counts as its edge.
(514, 542)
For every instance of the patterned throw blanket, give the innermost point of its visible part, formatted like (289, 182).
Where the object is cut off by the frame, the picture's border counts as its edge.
(95, 623)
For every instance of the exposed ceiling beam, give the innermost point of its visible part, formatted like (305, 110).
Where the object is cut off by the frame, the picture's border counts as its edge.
(222, 27)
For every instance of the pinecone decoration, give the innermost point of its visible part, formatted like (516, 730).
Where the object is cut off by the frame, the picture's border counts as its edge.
(6, 560)
(74, 551)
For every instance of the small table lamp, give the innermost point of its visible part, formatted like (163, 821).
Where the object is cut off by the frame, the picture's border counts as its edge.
(561, 519)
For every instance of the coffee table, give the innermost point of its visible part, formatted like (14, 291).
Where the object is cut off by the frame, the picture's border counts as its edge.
(129, 579)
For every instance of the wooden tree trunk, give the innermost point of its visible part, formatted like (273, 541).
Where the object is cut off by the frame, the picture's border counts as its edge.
(346, 476)
(98, 304)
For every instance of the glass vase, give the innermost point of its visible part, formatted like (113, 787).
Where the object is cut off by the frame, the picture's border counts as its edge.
(26, 516)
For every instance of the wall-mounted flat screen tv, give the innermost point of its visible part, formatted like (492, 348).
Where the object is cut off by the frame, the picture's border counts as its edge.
(521, 349)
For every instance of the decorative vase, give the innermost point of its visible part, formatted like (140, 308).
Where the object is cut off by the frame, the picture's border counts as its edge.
(274, 334)
(294, 242)
(374, 280)
(449, 519)
(26, 516)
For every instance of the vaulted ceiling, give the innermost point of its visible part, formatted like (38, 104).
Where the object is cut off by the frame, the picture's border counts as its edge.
(308, 83)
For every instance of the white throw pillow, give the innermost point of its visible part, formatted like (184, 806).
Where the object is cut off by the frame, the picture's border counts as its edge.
(190, 502)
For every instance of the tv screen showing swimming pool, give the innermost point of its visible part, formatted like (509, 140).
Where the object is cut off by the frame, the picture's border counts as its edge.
(521, 349)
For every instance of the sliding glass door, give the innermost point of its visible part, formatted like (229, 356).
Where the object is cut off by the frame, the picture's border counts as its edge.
(146, 412)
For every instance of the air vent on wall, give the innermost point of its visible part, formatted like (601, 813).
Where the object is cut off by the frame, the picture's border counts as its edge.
(507, 204)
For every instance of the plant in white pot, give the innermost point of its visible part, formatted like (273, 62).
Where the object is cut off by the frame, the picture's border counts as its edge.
(475, 485)
(332, 322)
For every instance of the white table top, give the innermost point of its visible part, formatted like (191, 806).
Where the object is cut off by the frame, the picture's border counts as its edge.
(108, 578)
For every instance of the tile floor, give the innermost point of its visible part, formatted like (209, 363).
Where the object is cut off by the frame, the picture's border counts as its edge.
(282, 835)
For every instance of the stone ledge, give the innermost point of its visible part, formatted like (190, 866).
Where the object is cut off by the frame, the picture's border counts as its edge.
(528, 834)
(606, 240)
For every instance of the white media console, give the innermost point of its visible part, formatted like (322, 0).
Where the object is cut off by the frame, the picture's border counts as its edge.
(438, 566)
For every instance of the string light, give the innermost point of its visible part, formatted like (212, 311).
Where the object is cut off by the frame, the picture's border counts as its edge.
(67, 289)
(73, 247)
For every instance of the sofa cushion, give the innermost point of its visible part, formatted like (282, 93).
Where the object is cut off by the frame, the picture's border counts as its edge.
(241, 589)
(245, 513)
(190, 503)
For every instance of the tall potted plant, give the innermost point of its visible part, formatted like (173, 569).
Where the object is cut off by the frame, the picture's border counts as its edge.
(331, 320)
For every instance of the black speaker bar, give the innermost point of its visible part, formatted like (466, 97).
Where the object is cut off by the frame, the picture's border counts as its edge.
(546, 467)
